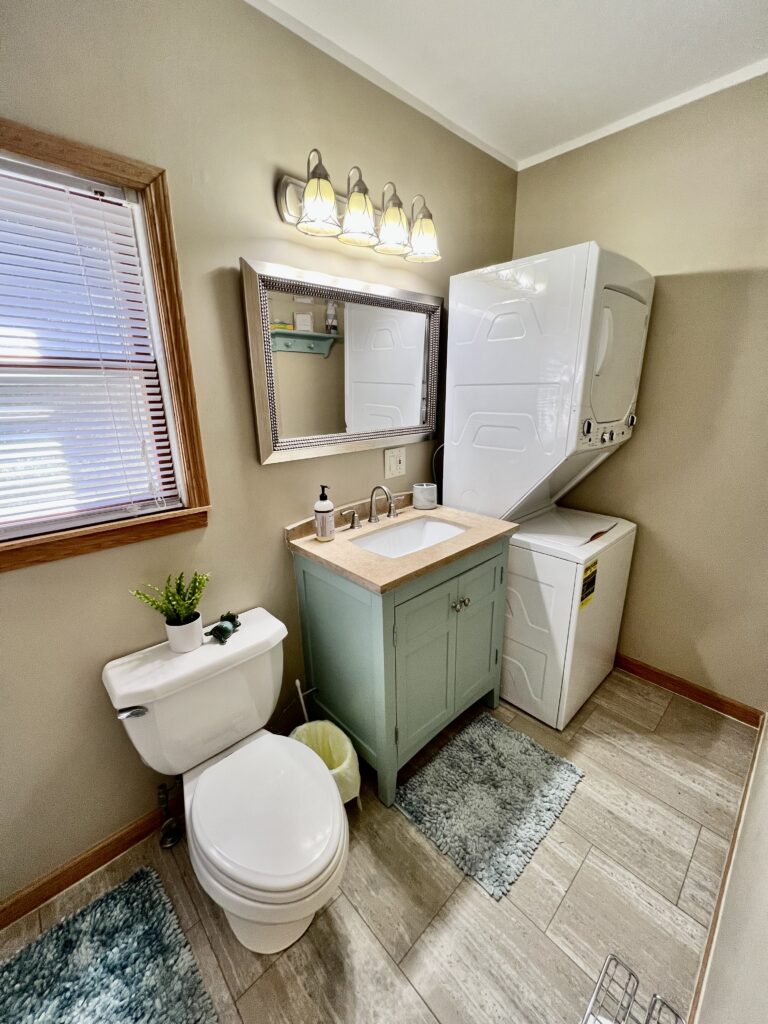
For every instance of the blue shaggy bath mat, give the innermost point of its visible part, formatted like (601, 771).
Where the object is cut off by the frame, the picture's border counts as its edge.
(487, 799)
(122, 960)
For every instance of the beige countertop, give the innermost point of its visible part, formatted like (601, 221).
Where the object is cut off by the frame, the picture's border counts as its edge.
(380, 574)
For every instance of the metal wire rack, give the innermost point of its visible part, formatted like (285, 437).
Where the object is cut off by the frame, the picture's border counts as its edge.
(614, 1000)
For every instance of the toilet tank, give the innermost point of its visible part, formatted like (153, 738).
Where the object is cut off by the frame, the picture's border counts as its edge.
(189, 707)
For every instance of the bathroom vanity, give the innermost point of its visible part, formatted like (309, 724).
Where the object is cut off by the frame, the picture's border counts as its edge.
(402, 625)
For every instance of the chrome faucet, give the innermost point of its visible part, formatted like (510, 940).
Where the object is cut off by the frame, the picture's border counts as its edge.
(391, 510)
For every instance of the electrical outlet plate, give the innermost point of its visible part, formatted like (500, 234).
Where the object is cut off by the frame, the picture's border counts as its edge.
(394, 462)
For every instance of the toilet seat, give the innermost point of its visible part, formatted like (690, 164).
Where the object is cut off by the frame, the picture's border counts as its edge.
(267, 821)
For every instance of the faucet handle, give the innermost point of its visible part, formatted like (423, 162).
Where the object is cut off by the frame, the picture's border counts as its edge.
(354, 523)
(392, 509)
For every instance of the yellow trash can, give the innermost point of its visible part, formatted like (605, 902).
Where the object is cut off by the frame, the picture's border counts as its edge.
(335, 748)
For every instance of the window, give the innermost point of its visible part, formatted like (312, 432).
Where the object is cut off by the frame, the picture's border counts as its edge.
(99, 443)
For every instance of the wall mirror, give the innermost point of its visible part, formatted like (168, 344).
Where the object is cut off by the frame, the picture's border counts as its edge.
(338, 365)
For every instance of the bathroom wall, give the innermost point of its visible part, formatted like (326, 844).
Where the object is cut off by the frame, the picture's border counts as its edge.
(225, 100)
(686, 195)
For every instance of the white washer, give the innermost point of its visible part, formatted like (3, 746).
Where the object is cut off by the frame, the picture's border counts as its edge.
(567, 575)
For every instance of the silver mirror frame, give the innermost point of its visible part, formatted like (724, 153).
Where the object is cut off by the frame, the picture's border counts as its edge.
(261, 278)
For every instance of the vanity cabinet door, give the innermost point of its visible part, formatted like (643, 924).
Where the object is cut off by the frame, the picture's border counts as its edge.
(477, 654)
(425, 666)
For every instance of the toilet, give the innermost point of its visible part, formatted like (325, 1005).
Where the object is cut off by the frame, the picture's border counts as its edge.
(266, 828)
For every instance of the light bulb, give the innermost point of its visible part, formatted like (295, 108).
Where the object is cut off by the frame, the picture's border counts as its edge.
(424, 248)
(393, 226)
(359, 227)
(318, 202)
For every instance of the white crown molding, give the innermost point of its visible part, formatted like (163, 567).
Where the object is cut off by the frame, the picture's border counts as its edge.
(363, 69)
(680, 100)
(320, 41)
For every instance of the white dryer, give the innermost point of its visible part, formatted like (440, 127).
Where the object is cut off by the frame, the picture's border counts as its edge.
(543, 369)
(544, 361)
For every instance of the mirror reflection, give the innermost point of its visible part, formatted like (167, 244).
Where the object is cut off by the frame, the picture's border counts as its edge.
(346, 367)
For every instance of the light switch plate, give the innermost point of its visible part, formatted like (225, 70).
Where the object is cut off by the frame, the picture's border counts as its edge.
(394, 462)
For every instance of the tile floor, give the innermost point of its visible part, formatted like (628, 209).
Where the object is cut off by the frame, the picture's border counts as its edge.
(632, 867)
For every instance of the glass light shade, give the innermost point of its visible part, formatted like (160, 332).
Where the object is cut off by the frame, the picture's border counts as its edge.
(424, 248)
(318, 201)
(393, 226)
(359, 227)
(318, 209)
(393, 232)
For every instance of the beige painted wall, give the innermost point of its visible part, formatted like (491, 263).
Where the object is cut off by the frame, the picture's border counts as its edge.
(686, 195)
(224, 99)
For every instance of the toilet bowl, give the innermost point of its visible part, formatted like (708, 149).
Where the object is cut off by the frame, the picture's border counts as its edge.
(267, 836)
(266, 828)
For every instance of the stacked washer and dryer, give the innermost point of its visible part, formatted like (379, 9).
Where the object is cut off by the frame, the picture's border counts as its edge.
(544, 362)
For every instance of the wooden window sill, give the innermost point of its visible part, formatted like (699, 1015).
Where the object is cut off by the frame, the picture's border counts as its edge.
(15, 554)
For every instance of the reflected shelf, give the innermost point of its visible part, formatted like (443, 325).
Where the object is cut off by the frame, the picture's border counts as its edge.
(310, 342)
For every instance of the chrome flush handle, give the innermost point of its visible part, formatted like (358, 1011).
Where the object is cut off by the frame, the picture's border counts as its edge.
(135, 711)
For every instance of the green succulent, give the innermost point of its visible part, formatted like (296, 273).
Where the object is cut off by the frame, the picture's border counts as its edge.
(177, 602)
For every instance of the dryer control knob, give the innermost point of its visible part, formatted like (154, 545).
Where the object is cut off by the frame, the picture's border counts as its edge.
(604, 437)
(631, 420)
(586, 427)
(611, 435)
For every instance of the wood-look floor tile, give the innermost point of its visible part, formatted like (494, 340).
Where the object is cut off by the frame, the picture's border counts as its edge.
(212, 977)
(17, 935)
(721, 740)
(545, 879)
(609, 910)
(145, 854)
(632, 698)
(678, 776)
(702, 883)
(396, 878)
(646, 835)
(481, 961)
(239, 965)
(563, 735)
(337, 973)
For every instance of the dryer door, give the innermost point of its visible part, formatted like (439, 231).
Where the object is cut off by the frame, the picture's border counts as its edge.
(618, 358)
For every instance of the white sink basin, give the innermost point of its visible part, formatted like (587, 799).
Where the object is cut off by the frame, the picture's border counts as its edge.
(406, 538)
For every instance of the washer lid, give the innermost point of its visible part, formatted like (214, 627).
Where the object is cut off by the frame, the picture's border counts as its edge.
(269, 816)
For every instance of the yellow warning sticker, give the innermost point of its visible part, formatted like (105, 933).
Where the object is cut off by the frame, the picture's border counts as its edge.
(589, 583)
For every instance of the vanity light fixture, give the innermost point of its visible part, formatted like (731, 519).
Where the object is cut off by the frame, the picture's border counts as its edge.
(424, 248)
(318, 201)
(393, 226)
(314, 207)
(359, 225)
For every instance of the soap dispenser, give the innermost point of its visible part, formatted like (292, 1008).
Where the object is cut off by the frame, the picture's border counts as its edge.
(325, 516)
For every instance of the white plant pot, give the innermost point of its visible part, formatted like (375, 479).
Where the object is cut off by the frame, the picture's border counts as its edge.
(186, 638)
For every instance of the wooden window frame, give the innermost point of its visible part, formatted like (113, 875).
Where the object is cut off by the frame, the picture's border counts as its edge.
(150, 183)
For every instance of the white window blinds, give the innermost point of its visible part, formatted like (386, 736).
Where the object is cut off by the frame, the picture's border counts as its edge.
(85, 422)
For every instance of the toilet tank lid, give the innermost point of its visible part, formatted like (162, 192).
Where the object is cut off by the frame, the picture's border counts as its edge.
(158, 672)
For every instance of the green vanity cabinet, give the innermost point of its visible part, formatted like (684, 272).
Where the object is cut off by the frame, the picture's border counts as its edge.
(393, 669)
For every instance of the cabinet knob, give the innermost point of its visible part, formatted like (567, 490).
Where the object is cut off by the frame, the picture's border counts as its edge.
(457, 605)
(465, 601)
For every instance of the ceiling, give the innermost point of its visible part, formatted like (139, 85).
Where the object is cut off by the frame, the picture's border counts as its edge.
(527, 79)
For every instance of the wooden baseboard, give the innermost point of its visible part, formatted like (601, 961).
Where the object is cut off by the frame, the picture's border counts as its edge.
(713, 924)
(22, 902)
(700, 694)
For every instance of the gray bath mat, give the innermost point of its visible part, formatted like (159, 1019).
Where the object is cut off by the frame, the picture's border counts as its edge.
(122, 959)
(488, 798)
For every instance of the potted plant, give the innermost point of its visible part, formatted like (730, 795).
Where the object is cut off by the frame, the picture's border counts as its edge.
(177, 602)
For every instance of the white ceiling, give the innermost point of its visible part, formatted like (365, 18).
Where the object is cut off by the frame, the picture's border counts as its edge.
(527, 79)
